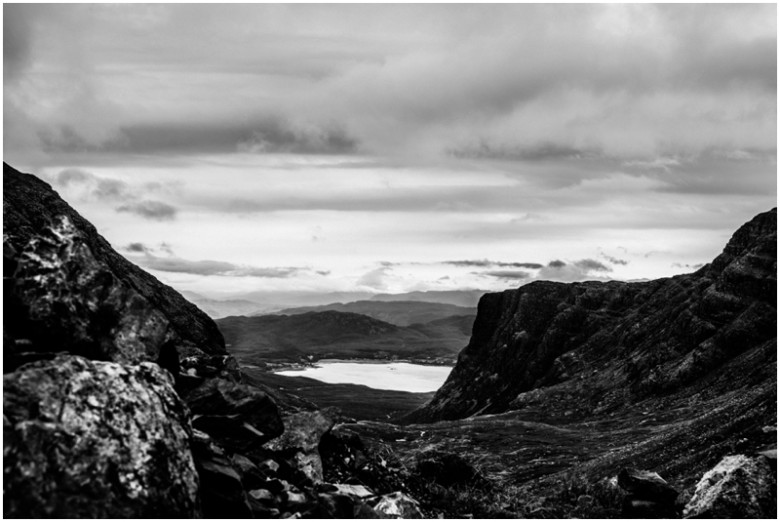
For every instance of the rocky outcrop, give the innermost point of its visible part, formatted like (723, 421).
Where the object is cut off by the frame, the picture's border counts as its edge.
(603, 346)
(66, 290)
(92, 439)
(737, 487)
(650, 496)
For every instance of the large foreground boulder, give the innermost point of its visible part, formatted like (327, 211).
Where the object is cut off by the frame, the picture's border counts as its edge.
(92, 439)
(738, 487)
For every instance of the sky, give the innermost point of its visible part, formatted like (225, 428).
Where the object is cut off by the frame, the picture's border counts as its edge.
(393, 148)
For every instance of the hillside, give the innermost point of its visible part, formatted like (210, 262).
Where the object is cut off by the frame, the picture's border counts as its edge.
(337, 335)
(401, 313)
(610, 345)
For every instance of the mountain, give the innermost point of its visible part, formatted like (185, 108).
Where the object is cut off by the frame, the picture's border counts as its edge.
(216, 308)
(614, 344)
(401, 313)
(467, 298)
(331, 334)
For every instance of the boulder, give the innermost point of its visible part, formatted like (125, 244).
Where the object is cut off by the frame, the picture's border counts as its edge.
(67, 290)
(646, 485)
(737, 487)
(300, 441)
(446, 469)
(93, 439)
(398, 505)
(238, 416)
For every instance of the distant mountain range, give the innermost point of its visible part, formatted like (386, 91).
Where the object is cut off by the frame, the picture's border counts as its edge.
(401, 313)
(333, 334)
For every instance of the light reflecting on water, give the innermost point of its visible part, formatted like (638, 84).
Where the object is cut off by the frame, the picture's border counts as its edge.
(382, 376)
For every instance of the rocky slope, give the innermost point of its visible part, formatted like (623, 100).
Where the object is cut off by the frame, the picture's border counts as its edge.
(610, 345)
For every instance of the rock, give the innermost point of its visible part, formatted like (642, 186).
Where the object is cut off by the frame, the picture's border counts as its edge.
(66, 289)
(640, 340)
(446, 469)
(262, 495)
(640, 508)
(646, 485)
(300, 441)
(222, 491)
(398, 505)
(737, 487)
(238, 416)
(94, 439)
(350, 490)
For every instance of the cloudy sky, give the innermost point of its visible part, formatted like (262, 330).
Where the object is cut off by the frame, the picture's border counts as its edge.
(391, 148)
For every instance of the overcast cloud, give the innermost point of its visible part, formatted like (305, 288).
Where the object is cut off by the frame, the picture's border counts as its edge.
(334, 136)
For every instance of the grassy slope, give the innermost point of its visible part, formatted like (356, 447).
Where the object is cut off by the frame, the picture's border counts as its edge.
(322, 335)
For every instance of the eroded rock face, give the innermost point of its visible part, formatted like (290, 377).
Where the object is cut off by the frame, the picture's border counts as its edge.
(609, 344)
(92, 439)
(66, 289)
(738, 487)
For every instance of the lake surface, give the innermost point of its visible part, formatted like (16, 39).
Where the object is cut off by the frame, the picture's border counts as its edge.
(400, 376)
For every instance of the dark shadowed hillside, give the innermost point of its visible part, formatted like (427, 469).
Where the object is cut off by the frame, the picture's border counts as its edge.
(322, 335)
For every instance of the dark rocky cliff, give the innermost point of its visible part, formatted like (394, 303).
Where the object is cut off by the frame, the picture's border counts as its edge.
(599, 347)
(66, 289)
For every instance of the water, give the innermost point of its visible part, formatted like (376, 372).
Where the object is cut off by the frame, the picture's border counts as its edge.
(381, 376)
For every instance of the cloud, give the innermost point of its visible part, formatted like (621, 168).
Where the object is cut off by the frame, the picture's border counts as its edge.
(489, 263)
(154, 210)
(614, 260)
(375, 279)
(580, 270)
(212, 268)
(137, 248)
(511, 82)
(508, 275)
(592, 265)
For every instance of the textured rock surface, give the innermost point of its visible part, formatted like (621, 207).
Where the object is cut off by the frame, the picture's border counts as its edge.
(398, 505)
(646, 485)
(738, 487)
(300, 441)
(238, 416)
(66, 289)
(623, 341)
(95, 439)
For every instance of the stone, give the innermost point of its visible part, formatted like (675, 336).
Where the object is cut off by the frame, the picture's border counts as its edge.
(446, 469)
(95, 439)
(398, 505)
(262, 495)
(646, 485)
(222, 491)
(68, 290)
(737, 487)
(238, 416)
(350, 490)
(300, 442)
